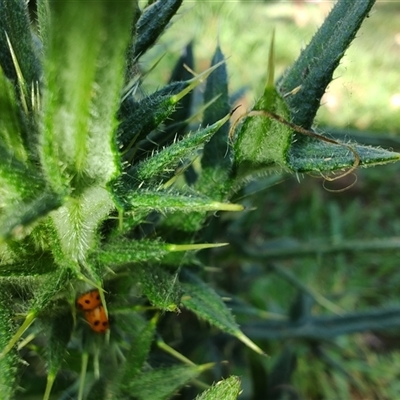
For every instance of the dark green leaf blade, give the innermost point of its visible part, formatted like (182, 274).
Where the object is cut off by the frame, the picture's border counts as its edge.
(160, 384)
(15, 24)
(162, 165)
(9, 362)
(314, 69)
(216, 151)
(318, 156)
(137, 354)
(169, 201)
(206, 304)
(160, 286)
(152, 23)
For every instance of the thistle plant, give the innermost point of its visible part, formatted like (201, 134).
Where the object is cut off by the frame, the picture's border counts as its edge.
(105, 189)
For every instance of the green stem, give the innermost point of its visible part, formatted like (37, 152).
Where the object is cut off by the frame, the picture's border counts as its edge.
(27, 323)
(303, 249)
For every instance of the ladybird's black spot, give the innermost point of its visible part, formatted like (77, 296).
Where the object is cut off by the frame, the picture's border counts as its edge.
(96, 322)
(87, 301)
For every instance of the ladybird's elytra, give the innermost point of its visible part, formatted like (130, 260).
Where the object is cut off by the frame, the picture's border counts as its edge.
(97, 319)
(89, 301)
(90, 304)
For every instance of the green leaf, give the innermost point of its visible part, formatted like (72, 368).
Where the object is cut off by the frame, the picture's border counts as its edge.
(17, 179)
(122, 251)
(174, 127)
(313, 70)
(160, 384)
(262, 140)
(9, 362)
(138, 119)
(14, 24)
(216, 154)
(153, 22)
(227, 389)
(49, 287)
(11, 125)
(137, 354)
(77, 221)
(45, 291)
(317, 156)
(84, 72)
(60, 334)
(56, 349)
(267, 138)
(206, 304)
(215, 178)
(163, 164)
(169, 201)
(161, 287)
(134, 251)
(14, 221)
(29, 266)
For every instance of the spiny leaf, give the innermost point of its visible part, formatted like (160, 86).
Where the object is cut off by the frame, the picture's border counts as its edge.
(318, 156)
(76, 222)
(14, 23)
(49, 287)
(8, 362)
(205, 303)
(18, 180)
(227, 389)
(160, 384)
(299, 149)
(16, 220)
(33, 265)
(313, 70)
(137, 354)
(12, 341)
(263, 140)
(160, 286)
(11, 124)
(216, 152)
(60, 334)
(137, 119)
(122, 252)
(175, 125)
(163, 163)
(168, 201)
(152, 23)
(84, 71)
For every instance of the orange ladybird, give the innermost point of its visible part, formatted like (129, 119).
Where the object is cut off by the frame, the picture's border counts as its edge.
(97, 319)
(89, 301)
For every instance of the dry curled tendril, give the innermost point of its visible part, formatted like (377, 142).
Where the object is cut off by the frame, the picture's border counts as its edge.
(309, 133)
